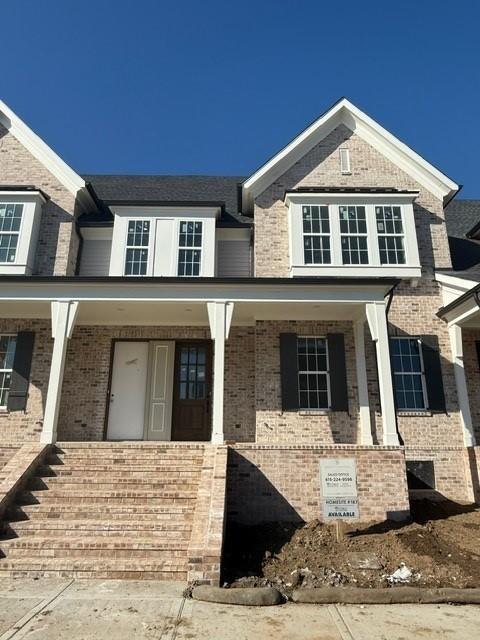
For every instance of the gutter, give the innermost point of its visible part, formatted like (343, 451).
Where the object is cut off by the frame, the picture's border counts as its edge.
(472, 293)
(387, 310)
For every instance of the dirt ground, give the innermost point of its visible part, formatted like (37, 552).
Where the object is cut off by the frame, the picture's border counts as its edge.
(440, 546)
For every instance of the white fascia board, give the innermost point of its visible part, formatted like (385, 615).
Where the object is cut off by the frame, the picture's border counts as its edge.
(344, 112)
(340, 198)
(358, 271)
(459, 283)
(215, 292)
(190, 211)
(45, 154)
(27, 194)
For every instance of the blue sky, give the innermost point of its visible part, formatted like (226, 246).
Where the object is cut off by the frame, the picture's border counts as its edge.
(145, 86)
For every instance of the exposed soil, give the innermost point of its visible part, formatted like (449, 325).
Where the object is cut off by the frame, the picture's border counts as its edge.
(440, 546)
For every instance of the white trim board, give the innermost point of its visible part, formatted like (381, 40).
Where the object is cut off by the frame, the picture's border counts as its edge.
(344, 112)
(45, 154)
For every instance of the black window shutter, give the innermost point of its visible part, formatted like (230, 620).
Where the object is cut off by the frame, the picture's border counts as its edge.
(433, 373)
(289, 371)
(22, 362)
(338, 372)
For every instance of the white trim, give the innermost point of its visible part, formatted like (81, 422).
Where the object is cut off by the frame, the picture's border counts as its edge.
(377, 321)
(32, 202)
(456, 343)
(344, 112)
(44, 154)
(362, 382)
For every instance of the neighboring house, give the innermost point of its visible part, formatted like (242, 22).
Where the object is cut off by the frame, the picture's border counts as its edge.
(308, 310)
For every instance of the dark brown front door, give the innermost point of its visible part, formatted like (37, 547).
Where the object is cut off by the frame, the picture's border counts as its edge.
(191, 394)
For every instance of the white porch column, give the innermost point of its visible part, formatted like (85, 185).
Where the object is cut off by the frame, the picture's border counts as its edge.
(220, 318)
(361, 365)
(377, 321)
(64, 314)
(456, 344)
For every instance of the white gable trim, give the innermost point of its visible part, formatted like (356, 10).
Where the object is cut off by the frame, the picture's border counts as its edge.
(344, 112)
(44, 154)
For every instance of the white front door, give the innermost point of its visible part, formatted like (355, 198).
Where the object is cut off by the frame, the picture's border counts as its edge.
(158, 424)
(126, 416)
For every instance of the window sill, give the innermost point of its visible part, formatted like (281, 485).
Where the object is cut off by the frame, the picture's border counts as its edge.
(4, 410)
(415, 414)
(313, 412)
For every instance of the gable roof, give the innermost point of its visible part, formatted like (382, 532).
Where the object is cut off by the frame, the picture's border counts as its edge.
(45, 155)
(194, 190)
(344, 112)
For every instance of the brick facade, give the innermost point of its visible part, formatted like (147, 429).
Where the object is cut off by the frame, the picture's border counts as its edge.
(58, 242)
(281, 482)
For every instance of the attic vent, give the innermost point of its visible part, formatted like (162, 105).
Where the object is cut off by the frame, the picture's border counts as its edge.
(345, 160)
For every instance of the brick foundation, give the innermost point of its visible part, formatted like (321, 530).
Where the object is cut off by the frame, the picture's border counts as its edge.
(282, 483)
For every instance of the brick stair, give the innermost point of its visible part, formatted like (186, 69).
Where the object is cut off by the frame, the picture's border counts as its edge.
(106, 510)
(7, 452)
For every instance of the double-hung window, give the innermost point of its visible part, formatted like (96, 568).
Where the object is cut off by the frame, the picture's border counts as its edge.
(7, 352)
(353, 232)
(136, 254)
(409, 374)
(190, 248)
(10, 222)
(313, 375)
(390, 234)
(316, 235)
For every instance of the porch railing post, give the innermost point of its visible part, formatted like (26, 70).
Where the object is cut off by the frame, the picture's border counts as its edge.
(377, 321)
(63, 320)
(220, 317)
(456, 343)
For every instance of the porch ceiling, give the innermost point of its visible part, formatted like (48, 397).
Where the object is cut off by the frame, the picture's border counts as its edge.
(151, 313)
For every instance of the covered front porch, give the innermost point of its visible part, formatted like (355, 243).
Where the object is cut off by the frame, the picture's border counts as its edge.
(200, 359)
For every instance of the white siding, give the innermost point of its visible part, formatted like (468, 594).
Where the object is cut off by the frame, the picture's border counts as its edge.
(233, 258)
(95, 256)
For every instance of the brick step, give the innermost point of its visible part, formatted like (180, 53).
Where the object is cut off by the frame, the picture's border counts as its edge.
(183, 461)
(99, 547)
(113, 484)
(134, 498)
(74, 470)
(108, 569)
(129, 445)
(63, 527)
(98, 511)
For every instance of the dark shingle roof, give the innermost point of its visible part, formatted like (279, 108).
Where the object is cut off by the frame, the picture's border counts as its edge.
(175, 189)
(461, 216)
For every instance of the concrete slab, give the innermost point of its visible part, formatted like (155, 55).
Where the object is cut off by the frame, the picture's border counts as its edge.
(206, 621)
(402, 621)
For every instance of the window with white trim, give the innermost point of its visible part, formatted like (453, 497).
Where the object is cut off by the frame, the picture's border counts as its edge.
(190, 248)
(10, 222)
(408, 373)
(313, 373)
(353, 232)
(7, 353)
(390, 234)
(316, 234)
(345, 160)
(136, 252)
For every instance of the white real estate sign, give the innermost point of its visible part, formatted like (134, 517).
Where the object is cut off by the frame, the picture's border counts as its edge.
(338, 478)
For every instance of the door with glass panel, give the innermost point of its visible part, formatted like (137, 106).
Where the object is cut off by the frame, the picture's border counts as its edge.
(191, 403)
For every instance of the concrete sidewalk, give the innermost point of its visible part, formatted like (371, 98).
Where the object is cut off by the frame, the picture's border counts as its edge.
(52, 609)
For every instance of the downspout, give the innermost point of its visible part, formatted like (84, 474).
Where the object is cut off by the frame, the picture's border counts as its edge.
(387, 310)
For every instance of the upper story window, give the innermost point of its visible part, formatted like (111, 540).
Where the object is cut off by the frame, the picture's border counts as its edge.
(7, 353)
(353, 230)
(316, 235)
(368, 234)
(408, 373)
(190, 248)
(390, 235)
(163, 240)
(136, 253)
(20, 215)
(10, 222)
